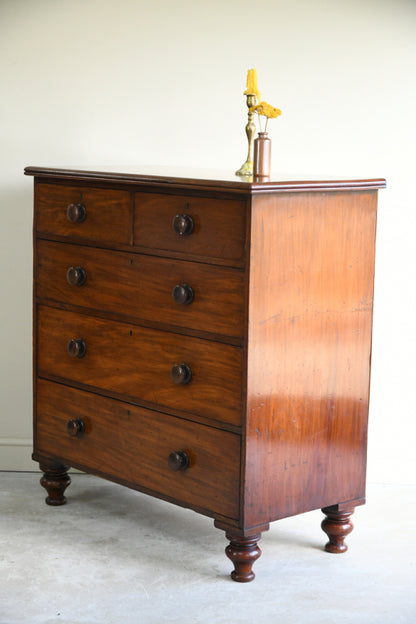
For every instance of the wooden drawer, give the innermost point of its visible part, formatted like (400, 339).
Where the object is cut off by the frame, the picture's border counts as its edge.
(108, 215)
(142, 286)
(133, 444)
(136, 363)
(218, 226)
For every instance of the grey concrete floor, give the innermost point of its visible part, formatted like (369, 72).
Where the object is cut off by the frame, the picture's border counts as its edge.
(114, 556)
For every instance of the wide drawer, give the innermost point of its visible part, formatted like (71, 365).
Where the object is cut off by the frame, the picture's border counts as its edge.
(133, 444)
(104, 215)
(138, 363)
(212, 228)
(143, 287)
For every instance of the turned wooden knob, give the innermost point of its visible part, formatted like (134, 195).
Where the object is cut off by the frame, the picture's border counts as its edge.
(76, 213)
(183, 224)
(75, 428)
(178, 460)
(76, 348)
(181, 374)
(76, 276)
(183, 294)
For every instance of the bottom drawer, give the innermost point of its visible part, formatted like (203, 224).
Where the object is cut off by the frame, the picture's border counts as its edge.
(132, 444)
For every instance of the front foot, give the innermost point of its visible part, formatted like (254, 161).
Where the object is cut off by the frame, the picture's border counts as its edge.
(55, 480)
(337, 526)
(243, 552)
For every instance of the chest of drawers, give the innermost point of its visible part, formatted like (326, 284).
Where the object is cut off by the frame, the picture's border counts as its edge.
(206, 341)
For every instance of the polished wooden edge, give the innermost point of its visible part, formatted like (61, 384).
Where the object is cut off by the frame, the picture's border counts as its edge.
(201, 183)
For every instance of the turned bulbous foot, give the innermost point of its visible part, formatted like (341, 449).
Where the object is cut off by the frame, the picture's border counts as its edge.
(243, 552)
(55, 480)
(337, 526)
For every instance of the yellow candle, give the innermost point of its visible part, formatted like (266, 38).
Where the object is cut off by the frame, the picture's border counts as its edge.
(252, 88)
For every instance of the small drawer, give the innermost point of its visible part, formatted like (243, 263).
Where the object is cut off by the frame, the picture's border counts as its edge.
(190, 295)
(151, 367)
(189, 463)
(83, 213)
(201, 226)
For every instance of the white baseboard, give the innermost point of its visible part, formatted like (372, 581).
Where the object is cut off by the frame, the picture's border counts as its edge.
(16, 454)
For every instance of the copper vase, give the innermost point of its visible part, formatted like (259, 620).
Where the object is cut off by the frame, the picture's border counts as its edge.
(262, 155)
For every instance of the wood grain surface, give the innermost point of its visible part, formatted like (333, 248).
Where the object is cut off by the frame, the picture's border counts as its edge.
(136, 362)
(128, 442)
(108, 213)
(141, 286)
(309, 346)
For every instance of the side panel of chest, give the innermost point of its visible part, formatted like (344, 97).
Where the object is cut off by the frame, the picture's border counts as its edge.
(309, 345)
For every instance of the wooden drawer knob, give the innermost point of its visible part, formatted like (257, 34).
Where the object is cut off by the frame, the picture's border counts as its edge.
(75, 428)
(183, 294)
(76, 348)
(181, 374)
(76, 213)
(178, 460)
(183, 224)
(76, 276)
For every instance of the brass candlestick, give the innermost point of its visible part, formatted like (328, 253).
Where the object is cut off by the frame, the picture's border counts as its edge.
(246, 169)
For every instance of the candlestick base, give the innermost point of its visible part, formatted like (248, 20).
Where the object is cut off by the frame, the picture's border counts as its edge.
(246, 169)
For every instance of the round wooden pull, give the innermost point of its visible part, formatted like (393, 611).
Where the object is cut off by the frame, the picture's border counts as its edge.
(75, 428)
(181, 374)
(76, 348)
(183, 294)
(183, 224)
(76, 276)
(76, 213)
(178, 460)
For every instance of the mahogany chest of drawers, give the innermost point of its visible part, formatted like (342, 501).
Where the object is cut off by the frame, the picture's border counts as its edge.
(206, 341)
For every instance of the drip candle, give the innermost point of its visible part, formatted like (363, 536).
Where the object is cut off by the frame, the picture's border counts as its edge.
(251, 82)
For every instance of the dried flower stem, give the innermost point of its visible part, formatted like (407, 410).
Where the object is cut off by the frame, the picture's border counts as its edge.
(259, 116)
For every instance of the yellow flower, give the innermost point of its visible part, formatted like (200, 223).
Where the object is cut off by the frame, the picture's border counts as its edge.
(267, 110)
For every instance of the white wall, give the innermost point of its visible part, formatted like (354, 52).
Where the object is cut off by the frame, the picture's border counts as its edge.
(87, 82)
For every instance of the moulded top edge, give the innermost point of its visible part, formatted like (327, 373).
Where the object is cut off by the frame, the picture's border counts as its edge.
(206, 179)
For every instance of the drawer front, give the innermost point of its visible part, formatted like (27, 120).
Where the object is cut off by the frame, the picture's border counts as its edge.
(138, 363)
(143, 286)
(212, 228)
(133, 444)
(108, 216)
